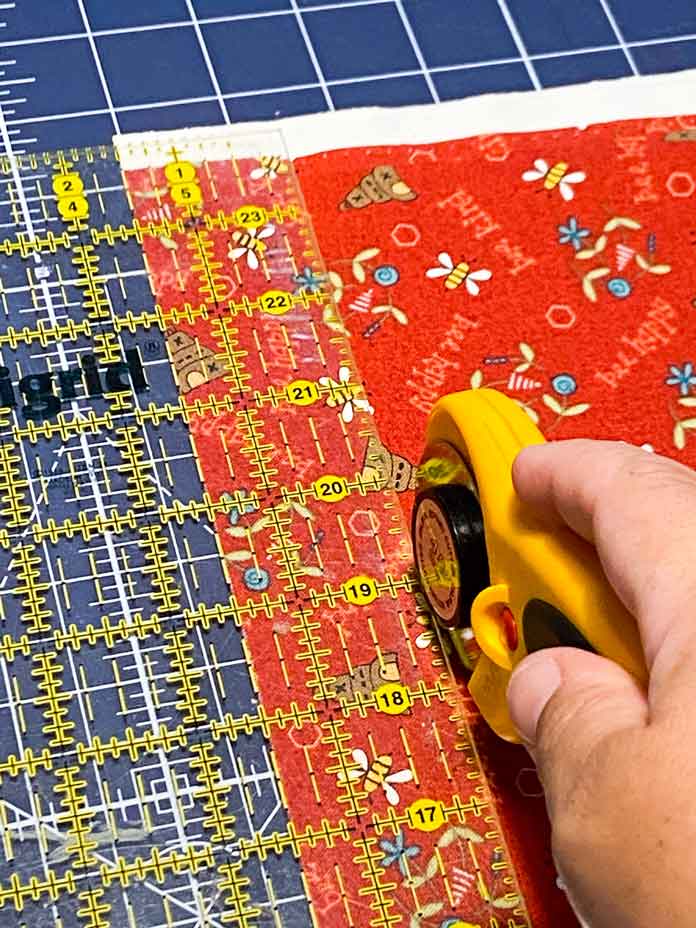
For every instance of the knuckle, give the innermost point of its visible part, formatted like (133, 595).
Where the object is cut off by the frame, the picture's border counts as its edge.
(653, 471)
(635, 478)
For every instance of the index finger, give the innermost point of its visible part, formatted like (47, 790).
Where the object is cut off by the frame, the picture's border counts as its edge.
(639, 510)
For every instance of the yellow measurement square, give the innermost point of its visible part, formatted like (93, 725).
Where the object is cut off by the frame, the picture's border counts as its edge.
(73, 207)
(186, 194)
(179, 172)
(67, 185)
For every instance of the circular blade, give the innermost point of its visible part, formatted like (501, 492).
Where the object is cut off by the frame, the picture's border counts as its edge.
(448, 537)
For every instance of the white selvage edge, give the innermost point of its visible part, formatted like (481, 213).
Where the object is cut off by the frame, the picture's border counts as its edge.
(576, 106)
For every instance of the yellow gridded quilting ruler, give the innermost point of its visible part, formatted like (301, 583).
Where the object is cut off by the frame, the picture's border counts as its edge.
(221, 700)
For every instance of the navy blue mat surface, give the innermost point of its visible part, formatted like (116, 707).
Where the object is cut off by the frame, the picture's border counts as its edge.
(76, 71)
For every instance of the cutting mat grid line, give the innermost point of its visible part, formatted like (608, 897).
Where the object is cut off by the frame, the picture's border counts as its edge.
(173, 63)
(155, 729)
(129, 685)
(211, 789)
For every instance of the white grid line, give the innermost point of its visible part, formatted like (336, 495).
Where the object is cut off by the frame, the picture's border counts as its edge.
(100, 70)
(519, 43)
(608, 12)
(122, 595)
(203, 20)
(7, 147)
(625, 46)
(18, 80)
(312, 54)
(208, 62)
(334, 82)
(408, 28)
(323, 84)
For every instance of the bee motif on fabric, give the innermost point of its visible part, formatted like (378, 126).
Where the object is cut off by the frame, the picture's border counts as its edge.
(555, 176)
(458, 274)
(378, 774)
(251, 243)
(269, 166)
(344, 395)
(366, 678)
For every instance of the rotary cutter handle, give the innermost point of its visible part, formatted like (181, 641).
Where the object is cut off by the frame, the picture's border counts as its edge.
(490, 570)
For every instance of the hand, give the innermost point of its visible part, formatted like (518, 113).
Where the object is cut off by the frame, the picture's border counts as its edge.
(618, 765)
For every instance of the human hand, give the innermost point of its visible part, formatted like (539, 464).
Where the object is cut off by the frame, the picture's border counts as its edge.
(618, 765)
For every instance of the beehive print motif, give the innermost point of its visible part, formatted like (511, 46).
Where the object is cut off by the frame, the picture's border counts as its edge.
(193, 363)
(381, 185)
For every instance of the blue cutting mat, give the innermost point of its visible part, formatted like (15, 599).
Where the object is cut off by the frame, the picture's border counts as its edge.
(75, 71)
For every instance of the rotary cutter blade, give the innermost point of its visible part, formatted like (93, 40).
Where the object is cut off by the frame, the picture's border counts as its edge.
(494, 576)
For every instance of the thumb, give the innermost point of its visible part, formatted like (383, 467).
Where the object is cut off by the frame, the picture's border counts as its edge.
(566, 703)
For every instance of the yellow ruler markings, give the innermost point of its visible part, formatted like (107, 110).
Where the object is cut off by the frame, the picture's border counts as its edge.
(265, 606)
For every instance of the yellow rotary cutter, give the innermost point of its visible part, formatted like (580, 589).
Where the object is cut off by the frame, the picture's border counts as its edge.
(489, 568)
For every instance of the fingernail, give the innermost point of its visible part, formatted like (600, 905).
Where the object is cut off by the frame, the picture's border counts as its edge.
(531, 686)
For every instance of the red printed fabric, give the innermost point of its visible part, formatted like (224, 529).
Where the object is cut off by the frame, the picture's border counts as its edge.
(555, 266)
(387, 813)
